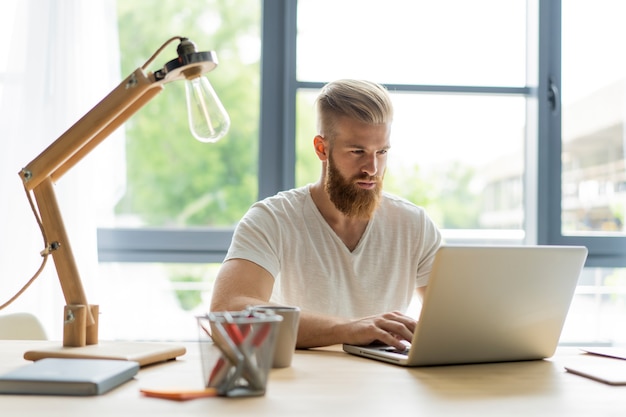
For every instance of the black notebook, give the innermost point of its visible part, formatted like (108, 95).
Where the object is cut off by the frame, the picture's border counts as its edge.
(63, 376)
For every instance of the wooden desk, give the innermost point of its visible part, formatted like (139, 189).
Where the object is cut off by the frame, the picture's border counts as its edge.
(329, 382)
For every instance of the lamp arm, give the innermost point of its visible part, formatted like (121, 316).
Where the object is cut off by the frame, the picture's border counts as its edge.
(40, 175)
(56, 236)
(88, 132)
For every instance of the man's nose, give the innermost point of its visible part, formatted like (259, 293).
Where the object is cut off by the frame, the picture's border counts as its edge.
(371, 166)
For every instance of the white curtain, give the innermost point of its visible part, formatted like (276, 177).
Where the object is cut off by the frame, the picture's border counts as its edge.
(59, 58)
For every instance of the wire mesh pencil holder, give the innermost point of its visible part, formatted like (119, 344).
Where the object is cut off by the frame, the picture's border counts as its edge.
(237, 349)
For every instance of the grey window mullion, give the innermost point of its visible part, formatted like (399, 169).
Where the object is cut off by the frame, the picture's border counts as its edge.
(277, 124)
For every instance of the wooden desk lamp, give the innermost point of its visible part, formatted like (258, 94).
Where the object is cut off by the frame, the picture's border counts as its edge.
(208, 121)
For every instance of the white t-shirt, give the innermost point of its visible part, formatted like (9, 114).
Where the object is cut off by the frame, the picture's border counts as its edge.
(313, 269)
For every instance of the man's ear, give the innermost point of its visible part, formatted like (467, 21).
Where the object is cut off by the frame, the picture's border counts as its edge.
(319, 143)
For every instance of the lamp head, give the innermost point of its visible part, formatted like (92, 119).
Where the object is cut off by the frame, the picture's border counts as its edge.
(189, 64)
(208, 120)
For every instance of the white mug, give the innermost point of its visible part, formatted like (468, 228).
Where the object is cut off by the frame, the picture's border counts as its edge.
(287, 333)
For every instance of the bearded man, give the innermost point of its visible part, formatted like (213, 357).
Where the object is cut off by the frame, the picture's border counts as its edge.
(348, 254)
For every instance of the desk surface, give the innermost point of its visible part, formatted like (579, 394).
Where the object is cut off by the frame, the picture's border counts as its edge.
(328, 381)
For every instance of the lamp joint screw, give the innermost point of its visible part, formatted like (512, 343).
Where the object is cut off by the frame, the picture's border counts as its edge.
(26, 174)
(50, 248)
(132, 81)
(69, 318)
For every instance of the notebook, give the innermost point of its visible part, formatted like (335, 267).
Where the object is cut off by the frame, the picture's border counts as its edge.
(609, 370)
(609, 351)
(63, 376)
(490, 304)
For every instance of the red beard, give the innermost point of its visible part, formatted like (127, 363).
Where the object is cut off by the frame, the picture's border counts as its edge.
(348, 197)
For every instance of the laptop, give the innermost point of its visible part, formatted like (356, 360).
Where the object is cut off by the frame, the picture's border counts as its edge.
(490, 304)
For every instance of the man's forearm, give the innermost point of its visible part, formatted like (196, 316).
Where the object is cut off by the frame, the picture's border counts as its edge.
(317, 330)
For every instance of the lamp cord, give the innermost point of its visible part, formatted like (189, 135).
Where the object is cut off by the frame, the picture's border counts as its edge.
(44, 253)
(149, 61)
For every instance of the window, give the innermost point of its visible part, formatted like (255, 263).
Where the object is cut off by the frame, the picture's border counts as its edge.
(172, 180)
(509, 129)
(592, 199)
(593, 83)
(180, 198)
(458, 135)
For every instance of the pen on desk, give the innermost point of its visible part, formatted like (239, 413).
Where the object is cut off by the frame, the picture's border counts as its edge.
(248, 369)
(221, 367)
(219, 372)
(263, 330)
(251, 371)
(227, 379)
(229, 362)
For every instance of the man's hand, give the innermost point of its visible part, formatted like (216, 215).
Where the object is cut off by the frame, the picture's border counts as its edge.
(388, 328)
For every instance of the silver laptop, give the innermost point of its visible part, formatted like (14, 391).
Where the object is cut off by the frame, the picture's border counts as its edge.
(490, 304)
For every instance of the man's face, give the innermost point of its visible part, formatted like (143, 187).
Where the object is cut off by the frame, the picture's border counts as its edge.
(356, 165)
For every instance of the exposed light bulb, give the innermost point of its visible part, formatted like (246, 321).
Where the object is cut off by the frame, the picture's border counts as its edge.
(208, 119)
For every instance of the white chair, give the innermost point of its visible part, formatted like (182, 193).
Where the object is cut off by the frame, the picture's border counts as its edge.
(21, 326)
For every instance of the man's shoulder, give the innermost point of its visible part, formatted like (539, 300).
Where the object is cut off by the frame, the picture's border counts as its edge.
(283, 204)
(291, 196)
(401, 215)
(395, 202)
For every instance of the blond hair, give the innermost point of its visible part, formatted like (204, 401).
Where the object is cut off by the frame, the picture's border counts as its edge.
(361, 100)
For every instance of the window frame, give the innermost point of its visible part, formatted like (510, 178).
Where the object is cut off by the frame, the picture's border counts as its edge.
(604, 251)
(279, 86)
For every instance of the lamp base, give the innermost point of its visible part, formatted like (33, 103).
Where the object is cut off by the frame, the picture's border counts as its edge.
(145, 353)
(77, 331)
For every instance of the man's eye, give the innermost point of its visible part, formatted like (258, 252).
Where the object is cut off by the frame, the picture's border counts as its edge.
(382, 152)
